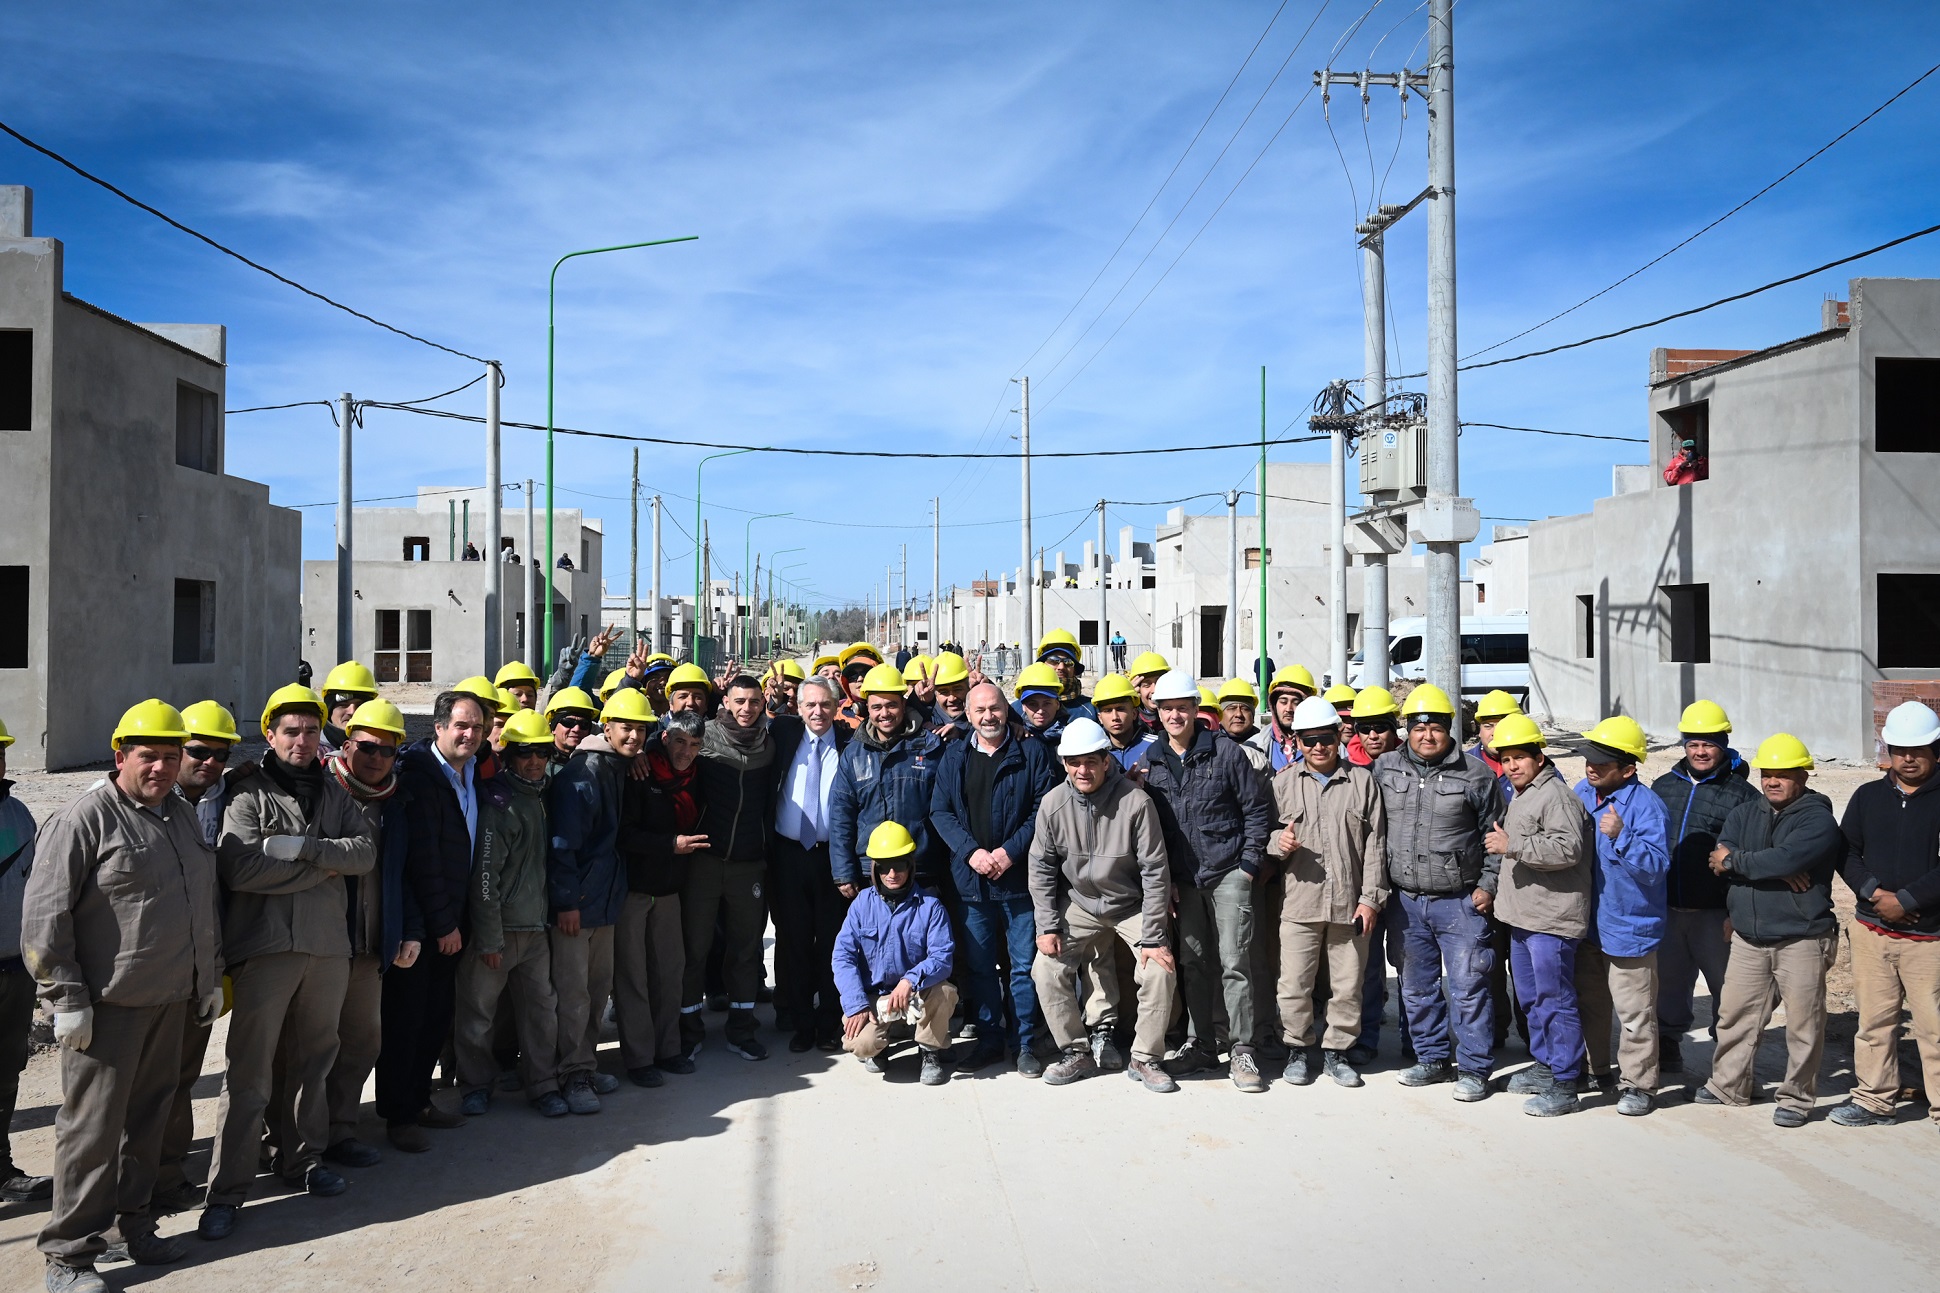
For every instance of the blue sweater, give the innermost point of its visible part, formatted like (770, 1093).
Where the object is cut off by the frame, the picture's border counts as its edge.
(880, 945)
(1632, 871)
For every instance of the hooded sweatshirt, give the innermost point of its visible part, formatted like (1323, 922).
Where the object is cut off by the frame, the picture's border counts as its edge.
(509, 890)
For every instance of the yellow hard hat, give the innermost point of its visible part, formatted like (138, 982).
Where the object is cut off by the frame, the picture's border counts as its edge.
(1621, 733)
(211, 721)
(656, 663)
(574, 698)
(6, 738)
(919, 666)
(515, 671)
(479, 687)
(1781, 751)
(1113, 687)
(1238, 689)
(1704, 718)
(1207, 700)
(527, 727)
(1375, 702)
(1294, 675)
(948, 669)
(1039, 677)
(884, 680)
(611, 684)
(628, 705)
(154, 720)
(855, 649)
(1497, 704)
(1057, 640)
(824, 661)
(890, 840)
(294, 696)
(350, 676)
(1339, 694)
(1427, 698)
(786, 668)
(507, 702)
(1516, 729)
(1148, 662)
(377, 716)
(686, 675)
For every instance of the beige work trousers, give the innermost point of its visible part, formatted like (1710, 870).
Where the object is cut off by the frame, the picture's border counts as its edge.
(582, 979)
(1624, 987)
(115, 1099)
(929, 1013)
(294, 1001)
(1797, 967)
(649, 958)
(1091, 944)
(1304, 944)
(525, 966)
(1886, 974)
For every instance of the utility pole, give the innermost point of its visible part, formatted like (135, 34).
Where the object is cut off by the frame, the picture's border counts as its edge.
(936, 571)
(905, 602)
(633, 551)
(346, 583)
(494, 528)
(531, 584)
(1232, 583)
(1030, 595)
(889, 609)
(653, 594)
(706, 597)
(1104, 602)
(1374, 392)
(736, 632)
(1442, 526)
(1259, 665)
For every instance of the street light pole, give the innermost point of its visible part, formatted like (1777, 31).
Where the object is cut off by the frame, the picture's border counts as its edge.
(747, 539)
(697, 529)
(552, 285)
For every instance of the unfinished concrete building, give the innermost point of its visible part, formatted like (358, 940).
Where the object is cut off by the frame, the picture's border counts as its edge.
(131, 565)
(1803, 569)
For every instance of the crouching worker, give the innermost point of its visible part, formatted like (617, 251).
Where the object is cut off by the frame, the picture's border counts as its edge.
(510, 945)
(1098, 874)
(892, 961)
(1543, 894)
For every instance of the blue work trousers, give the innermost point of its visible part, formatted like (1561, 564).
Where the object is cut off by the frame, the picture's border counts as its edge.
(1001, 930)
(1383, 950)
(1544, 969)
(1445, 934)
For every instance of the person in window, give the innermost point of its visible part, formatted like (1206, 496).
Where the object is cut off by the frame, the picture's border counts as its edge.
(565, 561)
(1687, 466)
(471, 551)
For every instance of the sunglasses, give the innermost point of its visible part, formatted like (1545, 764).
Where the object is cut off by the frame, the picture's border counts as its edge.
(204, 754)
(1371, 729)
(855, 673)
(373, 749)
(573, 722)
(1317, 738)
(898, 867)
(528, 752)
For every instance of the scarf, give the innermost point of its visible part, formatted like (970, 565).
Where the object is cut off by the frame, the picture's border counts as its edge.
(679, 787)
(745, 739)
(305, 784)
(339, 767)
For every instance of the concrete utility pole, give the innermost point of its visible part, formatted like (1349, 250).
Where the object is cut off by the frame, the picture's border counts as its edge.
(1374, 355)
(1027, 640)
(494, 528)
(905, 602)
(633, 550)
(1445, 522)
(1232, 583)
(1104, 603)
(653, 594)
(531, 585)
(346, 584)
(889, 608)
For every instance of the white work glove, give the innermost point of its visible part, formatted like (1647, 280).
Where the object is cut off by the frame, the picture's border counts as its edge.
(285, 848)
(205, 1014)
(74, 1028)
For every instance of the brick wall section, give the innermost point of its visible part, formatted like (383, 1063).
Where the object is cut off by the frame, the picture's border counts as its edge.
(1682, 363)
(1888, 694)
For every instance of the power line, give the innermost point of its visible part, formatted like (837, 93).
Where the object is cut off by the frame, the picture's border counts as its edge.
(1576, 435)
(1903, 91)
(230, 251)
(268, 408)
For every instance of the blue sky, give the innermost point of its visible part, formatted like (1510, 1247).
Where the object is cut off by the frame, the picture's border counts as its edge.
(898, 204)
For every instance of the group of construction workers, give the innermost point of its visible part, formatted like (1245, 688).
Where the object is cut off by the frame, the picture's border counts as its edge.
(1155, 878)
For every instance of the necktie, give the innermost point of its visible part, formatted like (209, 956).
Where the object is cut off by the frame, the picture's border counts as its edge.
(812, 792)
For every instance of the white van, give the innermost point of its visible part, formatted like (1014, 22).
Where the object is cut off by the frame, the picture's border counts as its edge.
(1495, 655)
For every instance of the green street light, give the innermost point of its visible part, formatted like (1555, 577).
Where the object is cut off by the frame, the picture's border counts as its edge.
(552, 285)
(771, 579)
(697, 544)
(747, 540)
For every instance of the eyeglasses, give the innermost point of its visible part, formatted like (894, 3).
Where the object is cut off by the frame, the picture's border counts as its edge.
(1317, 738)
(205, 754)
(373, 749)
(573, 722)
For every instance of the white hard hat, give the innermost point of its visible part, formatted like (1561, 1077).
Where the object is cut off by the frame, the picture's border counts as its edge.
(1314, 713)
(1911, 724)
(1082, 736)
(1176, 684)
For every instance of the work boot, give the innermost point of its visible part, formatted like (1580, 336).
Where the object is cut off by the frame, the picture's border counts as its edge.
(1192, 1058)
(1784, 1116)
(352, 1152)
(218, 1221)
(579, 1094)
(1705, 1095)
(1854, 1114)
(605, 1083)
(1360, 1056)
(1534, 1080)
(153, 1250)
(551, 1105)
(62, 1278)
(981, 1056)
(870, 1064)
(476, 1104)
(802, 1042)
(1426, 1073)
(1335, 1065)
(178, 1198)
(1634, 1103)
(436, 1119)
(1300, 1067)
(647, 1075)
(678, 1065)
(1151, 1075)
(1074, 1065)
(1029, 1064)
(1104, 1050)
(1670, 1054)
(935, 1072)
(1246, 1071)
(18, 1187)
(1470, 1087)
(323, 1183)
(1552, 1103)
(408, 1136)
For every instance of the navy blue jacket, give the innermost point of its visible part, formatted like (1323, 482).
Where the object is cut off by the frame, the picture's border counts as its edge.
(877, 783)
(584, 872)
(1025, 773)
(397, 909)
(1215, 810)
(439, 853)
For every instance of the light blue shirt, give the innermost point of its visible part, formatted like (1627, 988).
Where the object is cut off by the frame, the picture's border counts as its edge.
(461, 783)
(794, 796)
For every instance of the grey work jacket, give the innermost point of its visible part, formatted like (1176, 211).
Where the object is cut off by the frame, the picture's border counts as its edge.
(1548, 876)
(1106, 852)
(1437, 813)
(299, 906)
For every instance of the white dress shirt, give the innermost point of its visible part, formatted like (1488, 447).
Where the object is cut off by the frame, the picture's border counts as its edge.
(794, 787)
